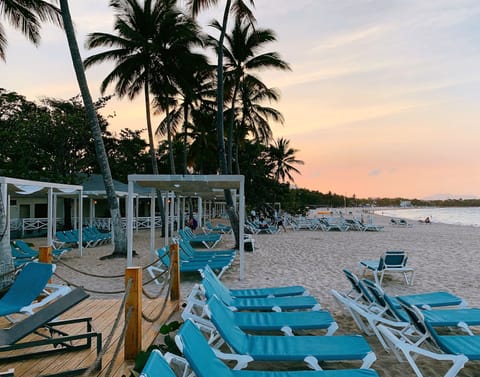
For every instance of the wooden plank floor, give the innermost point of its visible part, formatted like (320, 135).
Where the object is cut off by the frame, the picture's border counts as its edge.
(104, 313)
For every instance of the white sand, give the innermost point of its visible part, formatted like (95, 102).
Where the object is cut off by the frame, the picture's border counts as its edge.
(445, 257)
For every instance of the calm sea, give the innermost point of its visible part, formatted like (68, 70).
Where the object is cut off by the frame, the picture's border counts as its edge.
(469, 216)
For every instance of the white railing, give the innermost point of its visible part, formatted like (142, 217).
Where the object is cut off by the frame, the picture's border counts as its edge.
(35, 224)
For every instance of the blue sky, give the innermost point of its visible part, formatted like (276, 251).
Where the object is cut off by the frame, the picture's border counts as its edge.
(382, 99)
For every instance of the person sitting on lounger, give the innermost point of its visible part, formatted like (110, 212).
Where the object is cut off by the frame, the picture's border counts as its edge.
(262, 224)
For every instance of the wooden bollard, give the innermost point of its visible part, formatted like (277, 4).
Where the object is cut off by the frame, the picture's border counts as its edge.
(133, 335)
(45, 254)
(175, 276)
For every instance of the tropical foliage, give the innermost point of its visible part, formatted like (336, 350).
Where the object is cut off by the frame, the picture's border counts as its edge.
(26, 16)
(156, 49)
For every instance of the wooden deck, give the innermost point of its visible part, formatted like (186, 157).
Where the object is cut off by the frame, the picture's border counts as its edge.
(104, 314)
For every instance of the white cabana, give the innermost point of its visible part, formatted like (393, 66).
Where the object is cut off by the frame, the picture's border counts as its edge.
(20, 187)
(186, 185)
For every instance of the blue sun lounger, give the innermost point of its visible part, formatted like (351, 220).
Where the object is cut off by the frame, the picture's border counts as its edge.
(291, 290)
(258, 321)
(428, 300)
(191, 252)
(310, 349)
(390, 261)
(208, 240)
(204, 363)
(220, 228)
(454, 347)
(404, 349)
(44, 334)
(259, 303)
(28, 286)
(425, 299)
(467, 345)
(218, 264)
(28, 252)
(202, 255)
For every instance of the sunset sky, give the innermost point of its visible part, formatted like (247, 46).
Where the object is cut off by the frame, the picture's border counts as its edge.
(383, 99)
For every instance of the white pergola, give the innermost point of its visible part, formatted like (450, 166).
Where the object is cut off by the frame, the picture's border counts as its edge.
(202, 186)
(20, 187)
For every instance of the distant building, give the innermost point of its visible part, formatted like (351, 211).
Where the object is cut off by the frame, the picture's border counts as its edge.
(405, 203)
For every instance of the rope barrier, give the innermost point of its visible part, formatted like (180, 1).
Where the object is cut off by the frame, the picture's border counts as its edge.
(151, 264)
(162, 310)
(120, 341)
(103, 276)
(86, 289)
(154, 278)
(90, 274)
(153, 297)
(114, 328)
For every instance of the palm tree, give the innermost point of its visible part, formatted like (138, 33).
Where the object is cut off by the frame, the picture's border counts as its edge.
(241, 10)
(136, 50)
(120, 241)
(27, 16)
(174, 64)
(133, 51)
(193, 87)
(203, 147)
(282, 158)
(254, 116)
(240, 51)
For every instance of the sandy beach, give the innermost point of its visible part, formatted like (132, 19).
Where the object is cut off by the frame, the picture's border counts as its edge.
(445, 257)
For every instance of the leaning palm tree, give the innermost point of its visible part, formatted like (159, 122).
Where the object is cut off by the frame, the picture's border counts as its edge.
(242, 59)
(26, 15)
(120, 241)
(281, 158)
(241, 10)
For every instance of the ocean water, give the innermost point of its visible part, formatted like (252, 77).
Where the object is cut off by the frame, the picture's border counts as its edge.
(467, 216)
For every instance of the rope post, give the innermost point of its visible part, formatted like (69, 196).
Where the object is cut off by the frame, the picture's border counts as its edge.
(45, 254)
(133, 335)
(174, 276)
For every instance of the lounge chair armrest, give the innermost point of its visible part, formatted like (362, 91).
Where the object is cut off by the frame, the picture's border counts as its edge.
(242, 360)
(179, 361)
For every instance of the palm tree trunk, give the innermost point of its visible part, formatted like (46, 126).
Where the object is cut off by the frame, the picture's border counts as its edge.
(6, 261)
(232, 215)
(237, 158)
(185, 123)
(169, 140)
(230, 130)
(153, 156)
(120, 240)
(220, 130)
